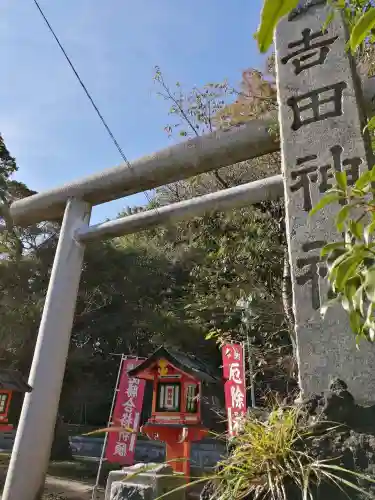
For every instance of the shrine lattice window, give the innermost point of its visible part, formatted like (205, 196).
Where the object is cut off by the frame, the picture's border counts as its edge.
(3, 403)
(168, 399)
(192, 395)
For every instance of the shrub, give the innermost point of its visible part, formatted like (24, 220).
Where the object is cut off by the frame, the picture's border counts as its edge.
(269, 460)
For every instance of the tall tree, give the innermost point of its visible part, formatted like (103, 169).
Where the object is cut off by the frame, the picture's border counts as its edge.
(230, 251)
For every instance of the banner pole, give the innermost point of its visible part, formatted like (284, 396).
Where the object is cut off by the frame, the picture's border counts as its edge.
(109, 423)
(251, 371)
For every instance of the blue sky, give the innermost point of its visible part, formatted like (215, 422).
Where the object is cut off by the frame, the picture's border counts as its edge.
(45, 118)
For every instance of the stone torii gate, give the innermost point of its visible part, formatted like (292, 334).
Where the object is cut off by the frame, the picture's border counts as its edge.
(321, 124)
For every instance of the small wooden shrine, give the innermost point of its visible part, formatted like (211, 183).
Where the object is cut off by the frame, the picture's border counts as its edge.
(10, 381)
(186, 405)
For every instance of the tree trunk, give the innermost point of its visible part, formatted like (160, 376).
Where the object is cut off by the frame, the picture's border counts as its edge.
(61, 449)
(286, 293)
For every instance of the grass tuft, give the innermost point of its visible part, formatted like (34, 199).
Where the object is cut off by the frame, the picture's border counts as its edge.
(269, 459)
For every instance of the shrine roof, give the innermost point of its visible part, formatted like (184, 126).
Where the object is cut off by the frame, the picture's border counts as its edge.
(12, 380)
(185, 362)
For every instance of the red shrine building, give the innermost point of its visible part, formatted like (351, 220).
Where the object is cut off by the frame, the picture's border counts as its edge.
(187, 403)
(10, 381)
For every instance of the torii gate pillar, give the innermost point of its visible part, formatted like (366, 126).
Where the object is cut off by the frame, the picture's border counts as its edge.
(33, 441)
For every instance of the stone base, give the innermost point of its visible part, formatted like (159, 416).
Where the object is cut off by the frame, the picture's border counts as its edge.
(124, 491)
(149, 480)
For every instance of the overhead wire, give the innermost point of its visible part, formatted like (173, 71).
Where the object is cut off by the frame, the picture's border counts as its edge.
(94, 105)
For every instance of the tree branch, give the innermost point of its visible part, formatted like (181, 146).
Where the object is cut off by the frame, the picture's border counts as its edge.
(180, 108)
(220, 180)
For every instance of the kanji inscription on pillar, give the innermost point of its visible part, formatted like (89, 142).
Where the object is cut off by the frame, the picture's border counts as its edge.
(321, 125)
(307, 172)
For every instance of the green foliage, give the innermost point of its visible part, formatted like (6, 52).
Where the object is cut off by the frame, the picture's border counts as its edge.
(7, 168)
(351, 261)
(193, 111)
(359, 15)
(362, 29)
(272, 12)
(269, 460)
(262, 458)
(224, 249)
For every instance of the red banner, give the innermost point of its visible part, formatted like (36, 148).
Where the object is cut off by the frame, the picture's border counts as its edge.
(235, 385)
(127, 413)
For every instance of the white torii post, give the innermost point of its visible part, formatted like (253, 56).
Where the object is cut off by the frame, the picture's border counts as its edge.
(33, 441)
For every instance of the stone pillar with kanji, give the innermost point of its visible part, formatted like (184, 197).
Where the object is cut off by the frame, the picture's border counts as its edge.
(321, 128)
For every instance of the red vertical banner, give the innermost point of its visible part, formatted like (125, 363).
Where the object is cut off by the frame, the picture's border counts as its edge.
(235, 385)
(127, 413)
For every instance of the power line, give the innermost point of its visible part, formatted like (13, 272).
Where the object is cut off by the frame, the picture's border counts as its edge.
(106, 126)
